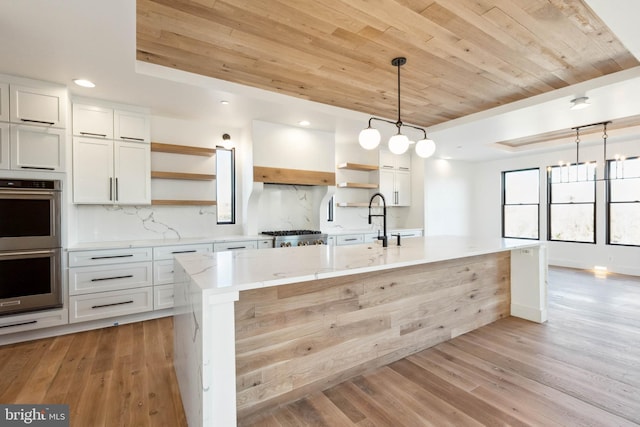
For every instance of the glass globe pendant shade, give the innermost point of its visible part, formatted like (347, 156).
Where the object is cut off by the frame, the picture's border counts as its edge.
(369, 138)
(398, 144)
(425, 148)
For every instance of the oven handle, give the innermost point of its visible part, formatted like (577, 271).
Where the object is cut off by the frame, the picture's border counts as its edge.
(47, 252)
(7, 192)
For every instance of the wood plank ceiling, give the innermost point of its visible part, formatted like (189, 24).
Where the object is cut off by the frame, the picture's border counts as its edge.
(463, 56)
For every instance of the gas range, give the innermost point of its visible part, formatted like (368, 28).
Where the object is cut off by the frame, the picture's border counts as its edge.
(286, 238)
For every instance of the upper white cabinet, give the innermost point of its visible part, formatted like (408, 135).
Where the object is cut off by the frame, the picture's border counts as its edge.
(111, 154)
(43, 106)
(111, 172)
(4, 146)
(395, 178)
(37, 148)
(92, 121)
(4, 102)
(131, 126)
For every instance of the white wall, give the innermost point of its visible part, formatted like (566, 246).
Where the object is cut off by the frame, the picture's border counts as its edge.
(486, 218)
(115, 223)
(448, 197)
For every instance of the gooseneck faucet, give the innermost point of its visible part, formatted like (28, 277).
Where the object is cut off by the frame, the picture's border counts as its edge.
(384, 218)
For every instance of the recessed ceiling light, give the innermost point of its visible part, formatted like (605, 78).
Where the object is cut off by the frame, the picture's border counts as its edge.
(224, 102)
(84, 83)
(304, 123)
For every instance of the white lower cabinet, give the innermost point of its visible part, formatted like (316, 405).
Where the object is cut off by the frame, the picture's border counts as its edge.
(235, 246)
(349, 239)
(163, 278)
(102, 305)
(109, 283)
(36, 320)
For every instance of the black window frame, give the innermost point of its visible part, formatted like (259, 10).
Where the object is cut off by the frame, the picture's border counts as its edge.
(550, 204)
(609, 203)
(504, 204)
(232, 221)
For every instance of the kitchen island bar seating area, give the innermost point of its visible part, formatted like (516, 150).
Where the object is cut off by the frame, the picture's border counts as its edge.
(253, 332)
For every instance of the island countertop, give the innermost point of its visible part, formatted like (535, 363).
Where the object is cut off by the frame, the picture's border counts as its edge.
(223, 272)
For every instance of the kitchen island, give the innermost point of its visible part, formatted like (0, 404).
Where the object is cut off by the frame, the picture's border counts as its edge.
(255, 329)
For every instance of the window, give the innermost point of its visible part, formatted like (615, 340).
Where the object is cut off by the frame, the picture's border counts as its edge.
(521, 204)
(624, 202)
(572, 203)
(225, 185)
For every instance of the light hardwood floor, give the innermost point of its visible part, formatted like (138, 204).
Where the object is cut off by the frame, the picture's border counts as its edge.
(581, 368)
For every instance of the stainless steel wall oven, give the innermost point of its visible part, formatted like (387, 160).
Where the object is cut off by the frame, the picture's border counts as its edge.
(30, 245)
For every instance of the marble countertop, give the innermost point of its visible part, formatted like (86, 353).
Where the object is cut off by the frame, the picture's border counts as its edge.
(372, 230)
(232, 271)
(162, 242)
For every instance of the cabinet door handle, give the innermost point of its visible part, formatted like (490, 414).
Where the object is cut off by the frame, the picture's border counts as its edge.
(31, 322)
(237, 247)
(111, 305)
(94, 134)
(116, 189)
(37, 168)
(184, 252)
(130, 138)
(110, 188)
(112, 256)
(38, 121)
(404, 168)
(100, 279)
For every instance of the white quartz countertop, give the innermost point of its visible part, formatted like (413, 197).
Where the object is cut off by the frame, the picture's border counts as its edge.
(162, 242)
(224, 272)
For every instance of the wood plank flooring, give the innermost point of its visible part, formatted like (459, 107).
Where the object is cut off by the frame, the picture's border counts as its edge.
(580, 368)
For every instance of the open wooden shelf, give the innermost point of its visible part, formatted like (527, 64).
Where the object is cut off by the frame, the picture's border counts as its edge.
(182, 149)
(184, 202)
(182, 175)
(357, 185)
(357, 167)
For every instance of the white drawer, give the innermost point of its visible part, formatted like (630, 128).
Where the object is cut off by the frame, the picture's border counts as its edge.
(265, 244)
(109, 256)
(83, 280)
(109, 304)
(349, 239)
(233, 246)
(370, 237)
(163, 272)
(167, 252)
(36, 320)
(162, 297)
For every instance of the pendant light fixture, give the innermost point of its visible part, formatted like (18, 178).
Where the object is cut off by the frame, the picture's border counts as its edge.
(369, 138)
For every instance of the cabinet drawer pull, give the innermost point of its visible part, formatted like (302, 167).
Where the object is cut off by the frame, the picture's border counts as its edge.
(112, 256)
(37, 167)
(132, 138)
(31, 322)
(112, 304)
(184, 252)
(237, 247)
(352, 239)
(100, 279)
(94, 134)
(37, 121)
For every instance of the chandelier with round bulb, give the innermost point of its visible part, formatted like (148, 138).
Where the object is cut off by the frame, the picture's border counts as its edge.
(369, 138)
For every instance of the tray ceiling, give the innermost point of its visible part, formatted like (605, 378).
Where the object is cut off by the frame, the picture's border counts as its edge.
(462, 56)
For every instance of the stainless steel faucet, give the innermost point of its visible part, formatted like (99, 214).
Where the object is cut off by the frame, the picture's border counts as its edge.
(384, 218)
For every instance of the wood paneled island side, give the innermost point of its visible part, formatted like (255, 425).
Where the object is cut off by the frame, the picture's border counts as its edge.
(254, 329)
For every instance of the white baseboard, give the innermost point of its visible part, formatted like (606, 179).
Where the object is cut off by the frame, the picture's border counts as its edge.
(529, 313)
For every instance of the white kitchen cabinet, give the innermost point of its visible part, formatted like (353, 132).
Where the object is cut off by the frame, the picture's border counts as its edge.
(395, 178)
(111, 172)
(110, 282)
(37, 148)
(265, 244)
(349, 239)
(44, 106)
(235, 246)
(163, 277)
(5, 162)
(4, 102)
(34, 320)
(92, 121)
(131, 126)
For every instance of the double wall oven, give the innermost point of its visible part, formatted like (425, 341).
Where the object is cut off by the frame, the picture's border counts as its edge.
(30, 245)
